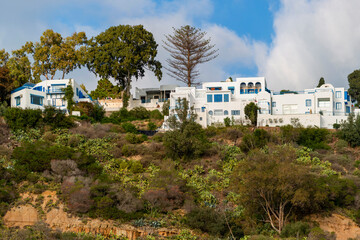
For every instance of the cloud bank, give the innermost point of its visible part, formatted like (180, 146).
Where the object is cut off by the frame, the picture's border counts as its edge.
(313, 39)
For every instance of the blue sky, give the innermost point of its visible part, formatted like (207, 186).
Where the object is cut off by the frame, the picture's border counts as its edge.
(291, 42)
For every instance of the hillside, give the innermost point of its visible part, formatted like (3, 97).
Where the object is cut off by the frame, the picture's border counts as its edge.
(232, 182)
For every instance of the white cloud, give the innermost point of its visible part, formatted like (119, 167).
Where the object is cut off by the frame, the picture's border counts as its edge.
(313, 39)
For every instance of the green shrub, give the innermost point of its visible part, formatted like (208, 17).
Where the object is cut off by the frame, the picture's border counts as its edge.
(156, 114)
(129, 127)
(227, 122)
(3, 107)
(336, 126)
(289, 133)
(296, 229)
(97, 113)
(187, 144)
(36, 157)
(122, 115)
(158, 137)
(56, 118)
(206, 220)
(350, 130)
(139, 113)
(258, 139)
(135, 138)
(151, 126)
(128, 150)
(18, 118)
(314, 138)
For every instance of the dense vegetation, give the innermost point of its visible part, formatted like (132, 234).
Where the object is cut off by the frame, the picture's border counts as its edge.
(219, 182)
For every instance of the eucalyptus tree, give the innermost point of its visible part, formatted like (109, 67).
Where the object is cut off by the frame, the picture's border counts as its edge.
(54, 53)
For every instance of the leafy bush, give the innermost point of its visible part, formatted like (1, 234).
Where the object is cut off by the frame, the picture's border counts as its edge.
(156, 114)
(207, 220)
(227, 122)
(289, 133)
(97, 113)
(350, 130)
(151, 126)
(258, 139)
(56, 118)
(336, 126)
(36, 157)
(135, 138)
(129, 127)
(296, 229)
(314, 138)
(18, 118)
(3, 107)
(120, 116)
(187, 144)
(139, 113)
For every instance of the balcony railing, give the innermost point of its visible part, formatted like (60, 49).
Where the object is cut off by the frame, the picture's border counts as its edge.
(55, 91)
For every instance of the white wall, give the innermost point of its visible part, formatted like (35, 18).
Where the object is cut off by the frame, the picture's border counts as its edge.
(25, 101)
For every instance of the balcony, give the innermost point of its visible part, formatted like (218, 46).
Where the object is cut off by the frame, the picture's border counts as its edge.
(54, 90)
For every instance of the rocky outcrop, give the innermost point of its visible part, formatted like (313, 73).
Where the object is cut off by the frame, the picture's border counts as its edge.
(21, 216)
(57, 218)
(343, 227)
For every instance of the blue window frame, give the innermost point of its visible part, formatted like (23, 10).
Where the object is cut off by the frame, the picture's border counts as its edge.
(232, 89)
(77, 92)
(17, 100)
(338, 94)
(347, 109)
(202, 109)
(226, 97)
(235, 112)
(217, 97)
(226, 112)
(273, 104)
(210, 112)
(36, 100)
(209, 98)
(338, 105)
(308, 102)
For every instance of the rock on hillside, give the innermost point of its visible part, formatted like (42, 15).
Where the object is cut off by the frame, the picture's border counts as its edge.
(57, 218)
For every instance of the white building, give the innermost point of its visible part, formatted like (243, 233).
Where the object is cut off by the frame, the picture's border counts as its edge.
(215, 101)
(149, 98)
(47, 93)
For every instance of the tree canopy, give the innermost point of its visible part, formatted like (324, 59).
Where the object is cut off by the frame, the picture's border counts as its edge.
(105, 89)
(251, 112)
(188, 48)
(54, 53)
(321, 82)
(123, 52)
(15, 71)
(272, 184)
(354, 84)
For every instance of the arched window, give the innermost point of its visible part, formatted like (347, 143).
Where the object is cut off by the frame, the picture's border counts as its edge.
(250, 85)
(226, 112)
(242, 88)
(210, 112)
